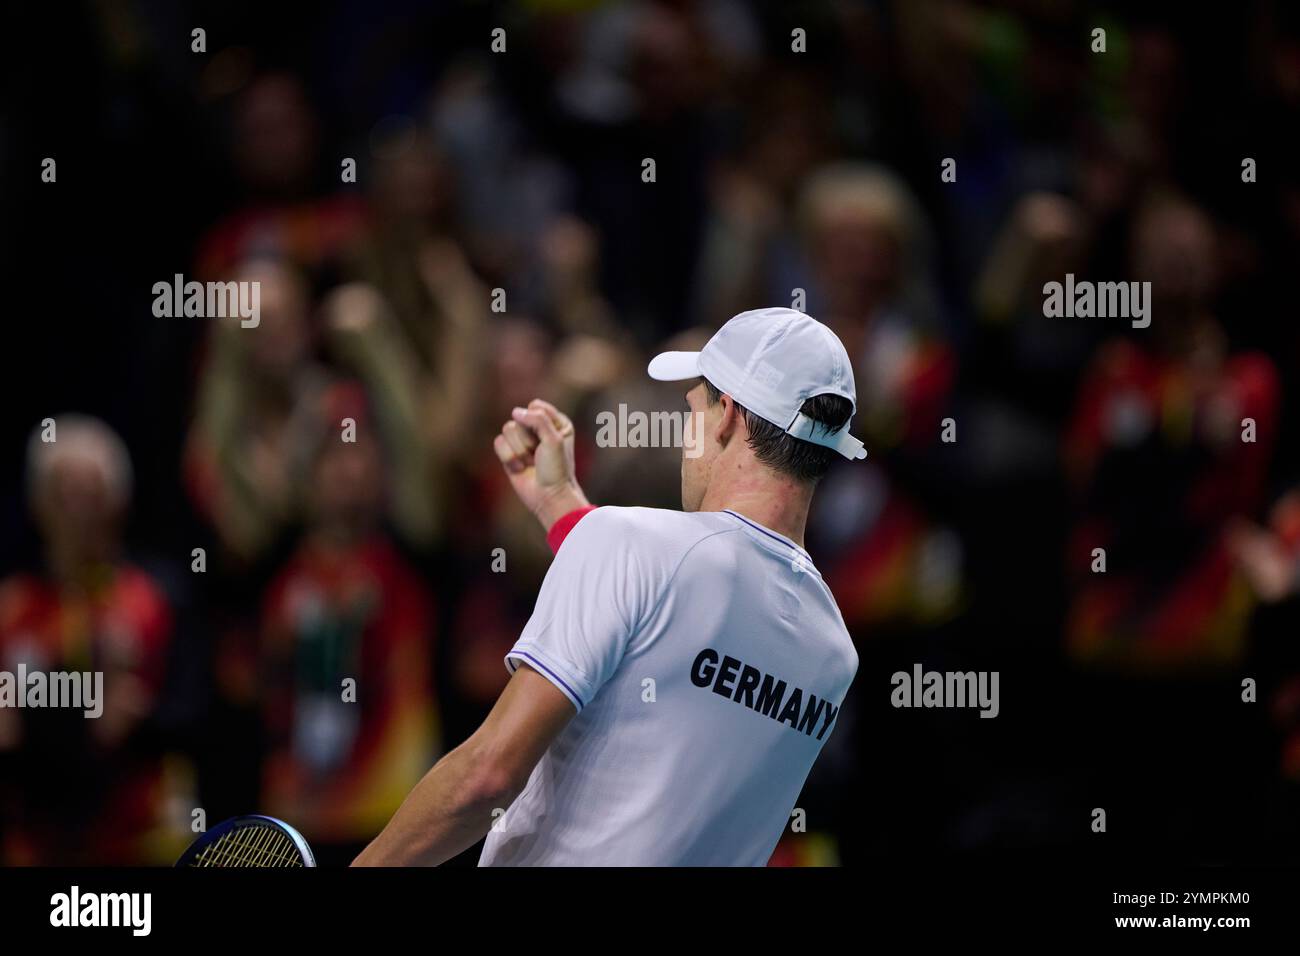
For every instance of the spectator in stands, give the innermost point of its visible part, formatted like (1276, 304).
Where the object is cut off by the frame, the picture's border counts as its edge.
(346, 653)
(78, 790)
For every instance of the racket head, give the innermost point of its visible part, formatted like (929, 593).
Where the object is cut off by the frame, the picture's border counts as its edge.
(249, 841)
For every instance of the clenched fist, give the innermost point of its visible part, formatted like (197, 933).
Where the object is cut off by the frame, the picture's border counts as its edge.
(536, 449)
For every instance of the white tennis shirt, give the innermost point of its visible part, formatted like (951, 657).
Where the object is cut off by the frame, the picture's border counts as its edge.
(707, 661)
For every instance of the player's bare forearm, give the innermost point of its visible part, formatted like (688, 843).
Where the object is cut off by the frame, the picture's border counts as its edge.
(559, 503)
(455, 804)
(449, 811)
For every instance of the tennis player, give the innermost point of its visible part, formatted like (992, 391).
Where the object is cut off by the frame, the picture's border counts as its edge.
(681, 670)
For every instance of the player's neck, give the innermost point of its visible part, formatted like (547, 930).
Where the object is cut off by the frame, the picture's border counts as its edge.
(777, 504)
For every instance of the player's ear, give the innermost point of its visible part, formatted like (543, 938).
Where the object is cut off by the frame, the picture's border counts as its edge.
(731, 423)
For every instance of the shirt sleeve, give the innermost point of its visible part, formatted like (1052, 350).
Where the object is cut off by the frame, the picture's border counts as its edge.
(588, 608)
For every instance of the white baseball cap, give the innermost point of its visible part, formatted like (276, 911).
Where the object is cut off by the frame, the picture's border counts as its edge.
(771, 361)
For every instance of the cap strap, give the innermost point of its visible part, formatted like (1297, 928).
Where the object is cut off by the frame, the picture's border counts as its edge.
(812, 431)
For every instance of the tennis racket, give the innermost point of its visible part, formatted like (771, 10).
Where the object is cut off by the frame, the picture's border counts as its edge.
(249, 841)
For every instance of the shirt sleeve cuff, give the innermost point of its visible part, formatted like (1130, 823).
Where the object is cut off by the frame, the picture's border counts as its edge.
(563, 525)
(555, 672)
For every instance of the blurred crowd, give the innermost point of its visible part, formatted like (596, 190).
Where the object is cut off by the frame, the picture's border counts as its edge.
(230, 563)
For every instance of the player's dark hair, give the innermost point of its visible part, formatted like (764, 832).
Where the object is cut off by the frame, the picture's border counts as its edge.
(799, 459)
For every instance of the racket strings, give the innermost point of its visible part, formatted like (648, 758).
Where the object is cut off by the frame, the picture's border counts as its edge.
(256, 846)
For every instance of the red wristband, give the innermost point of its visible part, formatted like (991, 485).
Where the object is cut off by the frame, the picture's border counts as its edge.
(563, 525)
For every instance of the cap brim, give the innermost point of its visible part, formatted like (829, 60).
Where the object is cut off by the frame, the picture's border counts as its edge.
(674, 366)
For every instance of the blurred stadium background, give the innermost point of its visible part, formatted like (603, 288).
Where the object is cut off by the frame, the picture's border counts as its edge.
(776, 170)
